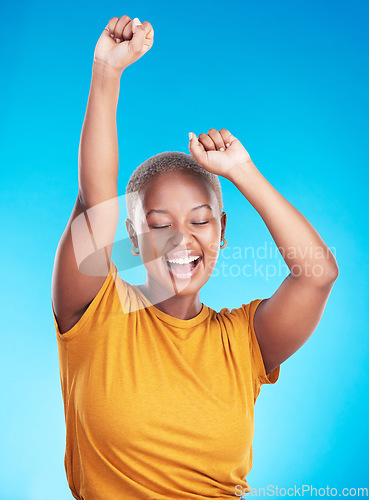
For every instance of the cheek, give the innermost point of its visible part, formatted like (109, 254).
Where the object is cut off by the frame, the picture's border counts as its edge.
(212, 256)
(211, 245)
(152, 245)
(211, 237)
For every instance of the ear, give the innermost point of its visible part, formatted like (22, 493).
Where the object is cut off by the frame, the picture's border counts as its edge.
(131, 232)
(223, 223)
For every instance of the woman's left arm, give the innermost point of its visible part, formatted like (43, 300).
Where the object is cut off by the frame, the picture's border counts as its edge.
(285, 321)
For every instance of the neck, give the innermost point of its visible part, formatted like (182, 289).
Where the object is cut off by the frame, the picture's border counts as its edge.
(178, 306)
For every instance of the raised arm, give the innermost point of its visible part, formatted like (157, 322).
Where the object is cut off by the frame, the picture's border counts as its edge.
(285, 321)
(83, 255)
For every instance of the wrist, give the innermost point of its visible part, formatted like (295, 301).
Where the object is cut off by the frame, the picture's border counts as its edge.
(101, 68)
(240, 169)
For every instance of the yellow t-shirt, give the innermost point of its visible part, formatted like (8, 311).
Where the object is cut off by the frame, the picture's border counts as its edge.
(157, 407)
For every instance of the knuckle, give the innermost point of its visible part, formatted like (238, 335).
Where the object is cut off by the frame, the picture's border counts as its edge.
(113, 22)
(202, 136)
(123, 23)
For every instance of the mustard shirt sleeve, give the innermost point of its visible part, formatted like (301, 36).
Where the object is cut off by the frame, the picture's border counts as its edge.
(101, 305)
(258, 368)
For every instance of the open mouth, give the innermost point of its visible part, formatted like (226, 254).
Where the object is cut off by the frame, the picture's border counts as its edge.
(184, 268)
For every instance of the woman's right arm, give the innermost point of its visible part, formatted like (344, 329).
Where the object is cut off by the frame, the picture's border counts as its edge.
(77, 280)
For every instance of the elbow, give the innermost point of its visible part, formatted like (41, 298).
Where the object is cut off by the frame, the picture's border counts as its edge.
(333, 269)
(332, 274)
(329, 272)
(321, 274)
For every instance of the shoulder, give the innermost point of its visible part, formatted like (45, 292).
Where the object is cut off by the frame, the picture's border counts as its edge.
(242, 314)
(115, 296)
(237, 322)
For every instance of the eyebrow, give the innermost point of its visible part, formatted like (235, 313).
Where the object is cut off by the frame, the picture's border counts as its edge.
(157, 211)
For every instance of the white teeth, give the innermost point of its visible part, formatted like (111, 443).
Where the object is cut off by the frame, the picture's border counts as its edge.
(187, 260)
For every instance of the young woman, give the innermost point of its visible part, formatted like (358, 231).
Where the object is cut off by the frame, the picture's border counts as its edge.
(159, 389)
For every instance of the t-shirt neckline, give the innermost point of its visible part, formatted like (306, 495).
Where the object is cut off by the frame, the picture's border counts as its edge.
(171, 320)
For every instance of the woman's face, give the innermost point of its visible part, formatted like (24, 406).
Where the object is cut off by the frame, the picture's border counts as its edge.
(179, 228)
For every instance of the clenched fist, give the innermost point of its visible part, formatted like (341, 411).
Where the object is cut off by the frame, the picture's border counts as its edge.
(218, 152)
(123, 42)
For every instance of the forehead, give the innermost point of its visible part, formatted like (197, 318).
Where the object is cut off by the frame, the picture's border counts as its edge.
(176, 191)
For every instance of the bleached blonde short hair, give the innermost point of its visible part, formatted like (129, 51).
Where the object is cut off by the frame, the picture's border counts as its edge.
(168, 161)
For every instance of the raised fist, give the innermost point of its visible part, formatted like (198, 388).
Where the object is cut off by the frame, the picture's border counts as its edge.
(122, 42)
(218, 152)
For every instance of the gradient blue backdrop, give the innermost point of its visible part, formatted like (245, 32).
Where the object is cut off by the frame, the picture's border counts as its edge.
(290, 80)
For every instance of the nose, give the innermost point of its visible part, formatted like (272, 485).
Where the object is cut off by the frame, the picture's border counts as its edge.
(182, 235)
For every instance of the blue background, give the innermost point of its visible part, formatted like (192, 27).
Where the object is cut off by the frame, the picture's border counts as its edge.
(290, 80)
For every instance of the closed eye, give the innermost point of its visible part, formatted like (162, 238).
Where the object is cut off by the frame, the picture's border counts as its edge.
(195, 223)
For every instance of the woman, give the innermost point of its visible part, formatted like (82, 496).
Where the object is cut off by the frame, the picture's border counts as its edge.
(159, 389)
